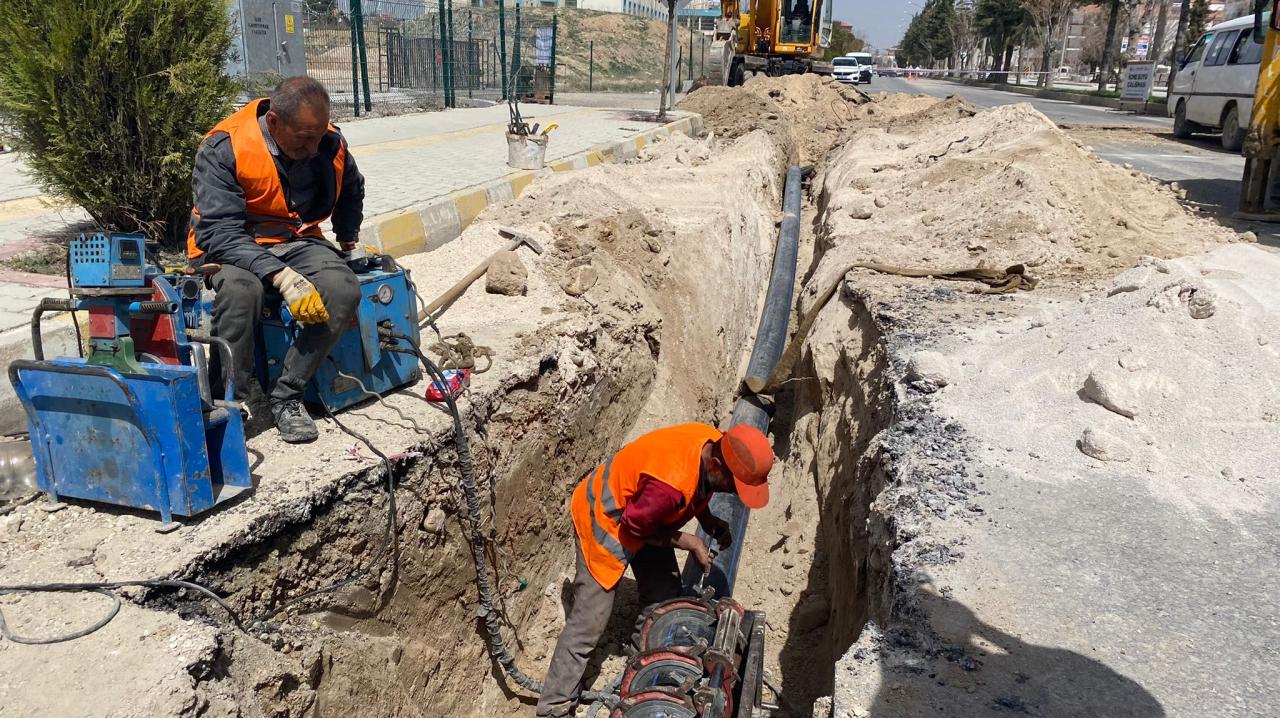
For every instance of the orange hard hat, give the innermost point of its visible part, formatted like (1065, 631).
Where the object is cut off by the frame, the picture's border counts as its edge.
(748, 457)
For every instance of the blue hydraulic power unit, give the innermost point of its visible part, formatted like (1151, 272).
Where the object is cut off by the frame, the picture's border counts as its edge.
(133, 423)
(368, 353)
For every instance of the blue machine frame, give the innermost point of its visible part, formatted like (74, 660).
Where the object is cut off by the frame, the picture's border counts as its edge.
(387, 301)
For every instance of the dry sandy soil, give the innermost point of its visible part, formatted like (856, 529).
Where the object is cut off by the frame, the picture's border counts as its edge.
(1052, 502)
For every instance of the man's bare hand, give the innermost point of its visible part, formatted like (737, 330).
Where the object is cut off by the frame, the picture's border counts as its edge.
(697, 548)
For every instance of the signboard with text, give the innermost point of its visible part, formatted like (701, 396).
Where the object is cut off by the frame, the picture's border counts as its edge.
(1138, 79)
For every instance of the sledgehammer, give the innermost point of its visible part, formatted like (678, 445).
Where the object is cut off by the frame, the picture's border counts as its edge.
(440, 303)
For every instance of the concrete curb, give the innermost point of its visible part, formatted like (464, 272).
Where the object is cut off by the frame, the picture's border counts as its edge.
(428, 226)
(1151, 109)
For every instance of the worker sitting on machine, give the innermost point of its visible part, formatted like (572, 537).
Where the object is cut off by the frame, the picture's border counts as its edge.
(265, 179)
(629, 512)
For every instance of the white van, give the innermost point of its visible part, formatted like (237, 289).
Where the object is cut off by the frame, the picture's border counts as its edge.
(1214, 87)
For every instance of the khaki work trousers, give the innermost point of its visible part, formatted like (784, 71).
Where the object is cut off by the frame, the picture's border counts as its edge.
(658, 578)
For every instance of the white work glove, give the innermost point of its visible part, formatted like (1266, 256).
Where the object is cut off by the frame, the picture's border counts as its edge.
(301, 296)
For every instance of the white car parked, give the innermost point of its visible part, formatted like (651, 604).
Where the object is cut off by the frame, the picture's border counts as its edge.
(1214, 87)
(853, 68)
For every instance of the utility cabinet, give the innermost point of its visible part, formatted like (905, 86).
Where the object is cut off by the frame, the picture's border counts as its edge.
(269, 39)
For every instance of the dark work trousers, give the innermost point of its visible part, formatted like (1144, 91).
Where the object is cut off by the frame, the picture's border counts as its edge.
(658, 578)
(237, 308)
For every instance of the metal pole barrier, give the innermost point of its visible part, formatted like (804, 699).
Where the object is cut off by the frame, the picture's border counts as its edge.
(502, 44)
(551, 96)
(357, 11)
(355, 68)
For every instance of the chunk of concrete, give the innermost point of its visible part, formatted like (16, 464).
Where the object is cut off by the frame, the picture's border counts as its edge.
(506, 275)
(1103, 446)
(928, 371)
(579, 280)
(1113, 391)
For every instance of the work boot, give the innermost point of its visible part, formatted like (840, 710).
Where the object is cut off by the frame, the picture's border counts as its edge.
(295, 425)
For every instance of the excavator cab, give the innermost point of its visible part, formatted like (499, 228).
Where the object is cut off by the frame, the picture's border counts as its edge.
(774, 37)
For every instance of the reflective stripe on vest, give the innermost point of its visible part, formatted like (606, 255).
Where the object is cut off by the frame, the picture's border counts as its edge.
(268, 218)
(610, 507)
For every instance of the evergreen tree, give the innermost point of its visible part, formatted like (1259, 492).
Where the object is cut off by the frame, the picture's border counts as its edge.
(999, 22)
(109, 99)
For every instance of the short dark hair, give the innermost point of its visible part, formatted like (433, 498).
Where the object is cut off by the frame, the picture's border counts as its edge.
(294, 92)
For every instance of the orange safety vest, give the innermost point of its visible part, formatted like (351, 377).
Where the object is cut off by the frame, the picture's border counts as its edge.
(672, 456)
(268, 218)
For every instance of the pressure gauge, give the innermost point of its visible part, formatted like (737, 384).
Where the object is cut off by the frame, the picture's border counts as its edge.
(386, 294)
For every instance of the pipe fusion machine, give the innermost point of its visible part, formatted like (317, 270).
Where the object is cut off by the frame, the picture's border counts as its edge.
(136, 421)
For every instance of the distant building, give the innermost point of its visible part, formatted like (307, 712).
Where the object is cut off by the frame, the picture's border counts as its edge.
(656, 9)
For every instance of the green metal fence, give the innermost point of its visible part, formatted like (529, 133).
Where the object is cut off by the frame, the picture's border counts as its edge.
(389, 56)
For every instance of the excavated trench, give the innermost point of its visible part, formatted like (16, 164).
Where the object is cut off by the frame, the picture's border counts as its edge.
(408, 641)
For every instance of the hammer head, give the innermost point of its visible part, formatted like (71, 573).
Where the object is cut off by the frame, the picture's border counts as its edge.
(518, 238)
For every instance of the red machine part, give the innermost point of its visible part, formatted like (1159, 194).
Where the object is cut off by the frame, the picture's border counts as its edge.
(666, 676)
(155, 334)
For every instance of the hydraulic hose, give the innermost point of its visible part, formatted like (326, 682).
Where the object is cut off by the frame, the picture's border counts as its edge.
(498, 649)
(770, 341)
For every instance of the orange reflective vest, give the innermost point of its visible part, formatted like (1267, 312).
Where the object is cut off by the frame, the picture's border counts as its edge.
(672, 455)
(268, 218)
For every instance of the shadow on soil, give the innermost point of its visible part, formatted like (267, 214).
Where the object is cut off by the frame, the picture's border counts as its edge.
(998, 674)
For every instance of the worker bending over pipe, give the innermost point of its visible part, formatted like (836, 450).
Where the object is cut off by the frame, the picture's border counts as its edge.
(628, 512)
(265, 179)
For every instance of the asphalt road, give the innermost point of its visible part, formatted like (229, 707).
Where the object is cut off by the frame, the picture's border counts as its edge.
(1066, 114)
(1210, 175)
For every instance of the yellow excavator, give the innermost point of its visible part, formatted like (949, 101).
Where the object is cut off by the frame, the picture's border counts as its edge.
(1262, 142)
(774, 37)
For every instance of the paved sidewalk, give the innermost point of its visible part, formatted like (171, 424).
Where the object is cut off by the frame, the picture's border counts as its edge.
(408, 161)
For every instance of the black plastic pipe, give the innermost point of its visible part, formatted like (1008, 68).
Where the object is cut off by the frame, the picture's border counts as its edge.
(771, 339)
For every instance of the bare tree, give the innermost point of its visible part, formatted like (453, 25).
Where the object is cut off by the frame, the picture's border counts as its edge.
(1047, 20)
(1162, 31)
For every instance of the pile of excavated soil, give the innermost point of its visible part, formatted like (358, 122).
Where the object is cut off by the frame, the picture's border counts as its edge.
(947, 189)
(1171, 371)
(806, 114)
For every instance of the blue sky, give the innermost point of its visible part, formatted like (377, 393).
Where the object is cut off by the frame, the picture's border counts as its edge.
(881, 22)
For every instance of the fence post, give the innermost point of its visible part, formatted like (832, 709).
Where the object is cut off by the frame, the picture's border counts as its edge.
(355, 69)
(515, 56)
(555, 22)
(591, 64)
(471, 57)
(502, 44)
(357, 14)
(452, 65)
(690, 49)
(443, 46)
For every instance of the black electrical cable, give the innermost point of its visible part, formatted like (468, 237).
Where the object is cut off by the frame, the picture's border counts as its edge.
(389, 536)
(388, 539)
(101, 587)
(497, 645)
(71, 297)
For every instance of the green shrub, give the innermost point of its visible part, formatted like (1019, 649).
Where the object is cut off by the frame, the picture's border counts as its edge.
(108, 100)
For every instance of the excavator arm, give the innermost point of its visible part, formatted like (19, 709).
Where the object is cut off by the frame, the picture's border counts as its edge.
(1263, 138)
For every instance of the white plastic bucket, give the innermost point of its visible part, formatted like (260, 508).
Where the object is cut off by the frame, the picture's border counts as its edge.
(526, 152)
